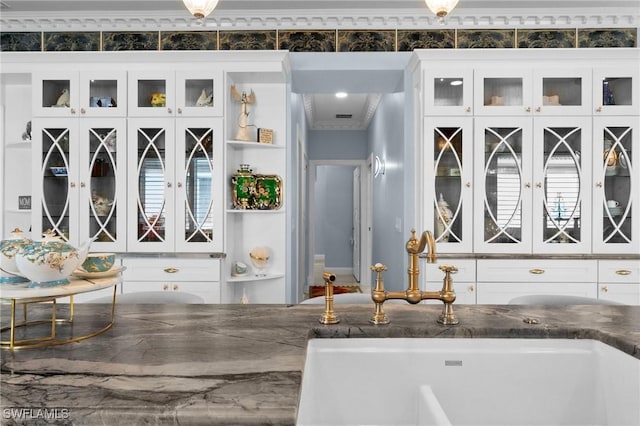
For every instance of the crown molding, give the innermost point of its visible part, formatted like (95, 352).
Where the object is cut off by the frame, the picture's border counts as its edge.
(362, 19)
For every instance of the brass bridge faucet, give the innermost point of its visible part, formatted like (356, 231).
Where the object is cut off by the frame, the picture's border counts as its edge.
(413, 294)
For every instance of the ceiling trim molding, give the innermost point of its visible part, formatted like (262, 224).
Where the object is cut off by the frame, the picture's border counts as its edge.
(317, 19)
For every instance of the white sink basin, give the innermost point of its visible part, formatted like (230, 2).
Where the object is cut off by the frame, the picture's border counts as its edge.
(418, 381)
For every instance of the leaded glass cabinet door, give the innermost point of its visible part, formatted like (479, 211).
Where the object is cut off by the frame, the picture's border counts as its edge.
(55, 192)
(561, 196)
(151, 189)
(616, 185)
(448, 182)
(503, 185)
(102, 183)
(199, 185)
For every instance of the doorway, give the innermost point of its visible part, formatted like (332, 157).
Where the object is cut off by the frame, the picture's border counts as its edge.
(339, 214)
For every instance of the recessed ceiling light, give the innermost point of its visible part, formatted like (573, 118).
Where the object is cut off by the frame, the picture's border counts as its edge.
(341, 94)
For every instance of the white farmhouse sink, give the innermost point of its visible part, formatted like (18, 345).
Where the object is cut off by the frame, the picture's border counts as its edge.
(416, 381)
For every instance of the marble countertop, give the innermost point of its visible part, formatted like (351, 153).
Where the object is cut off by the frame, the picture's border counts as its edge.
(241, 364)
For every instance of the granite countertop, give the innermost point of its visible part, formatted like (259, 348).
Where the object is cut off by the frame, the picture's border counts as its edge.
(240, 364)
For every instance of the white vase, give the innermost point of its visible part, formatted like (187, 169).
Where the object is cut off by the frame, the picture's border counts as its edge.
(443, 216)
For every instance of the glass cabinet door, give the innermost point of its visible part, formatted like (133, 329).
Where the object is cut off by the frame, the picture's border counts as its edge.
(561, 215)
(55, 192)
(151, 94)
(103, 94)
(102, 201)
(616, 91)
(151, 170)
(199, 181)
(502, 92)
(503, 175)
(55, 94)
(448, 175)
(448, 92)
(562, 91)
(617, 185)
(199, 94)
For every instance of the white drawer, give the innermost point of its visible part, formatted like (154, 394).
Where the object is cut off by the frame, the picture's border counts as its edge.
(619, 271)
(466, 270)
(502, 293)
(209, 291)
(171, 269)
(537, 270)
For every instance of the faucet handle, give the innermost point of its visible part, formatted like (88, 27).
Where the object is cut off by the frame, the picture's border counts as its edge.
(378, 267)
(448, 269)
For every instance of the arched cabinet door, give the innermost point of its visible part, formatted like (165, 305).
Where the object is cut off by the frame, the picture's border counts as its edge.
(616, 185)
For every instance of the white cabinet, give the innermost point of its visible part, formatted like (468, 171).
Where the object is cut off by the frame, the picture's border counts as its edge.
(448, 176)
(80, 180)
(616, 184)
(464, 280)
(499, 281)
(256, 213)
(91, 93)
(176, 93)
(198, 276)
(619, 280)
(176, 204)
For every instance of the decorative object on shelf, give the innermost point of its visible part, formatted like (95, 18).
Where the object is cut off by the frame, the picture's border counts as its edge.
(441, 8)
(102, 102)
(607, 94)
(551, 100)
(496, 101)
(610, 158)
(110, 141)
(260, 257)
(560, 208)
(58, 171)
(245, 298)
(158, 100)
(26, 135)
(444, 216)
(243, 183)
(24, 202)
(98, 262)
(8, 249)
(255, 191)
(63, 99)
(204, 100)
(243, 119)
(101, 204)
(200, 9)
(265, 135)
(239, 269)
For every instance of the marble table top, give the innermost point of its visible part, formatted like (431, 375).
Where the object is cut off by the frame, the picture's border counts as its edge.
(242, 364)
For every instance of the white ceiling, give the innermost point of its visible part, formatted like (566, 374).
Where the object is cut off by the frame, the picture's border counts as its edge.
(322, 107)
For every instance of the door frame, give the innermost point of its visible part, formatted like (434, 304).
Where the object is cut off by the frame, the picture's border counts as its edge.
(365, 210)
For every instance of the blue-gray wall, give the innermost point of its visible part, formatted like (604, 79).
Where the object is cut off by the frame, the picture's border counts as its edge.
(337, 145)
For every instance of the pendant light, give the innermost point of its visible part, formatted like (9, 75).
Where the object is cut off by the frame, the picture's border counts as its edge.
(200, 9)
(441, 8)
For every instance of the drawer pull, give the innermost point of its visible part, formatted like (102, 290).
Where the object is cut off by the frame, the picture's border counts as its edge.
(623, 272)
(165, 287)
(171, 270)
(604, 289)
(536, 271)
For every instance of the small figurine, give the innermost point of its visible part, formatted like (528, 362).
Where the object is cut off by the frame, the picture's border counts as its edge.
(26, 135)
(205, 100)
(63, 99)
(244, 99)
(158, 100)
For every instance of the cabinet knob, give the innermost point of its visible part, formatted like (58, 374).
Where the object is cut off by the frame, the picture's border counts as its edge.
(169, 185)
(527, 185)
(604, 289)
(528, 109)
(623, 272)
(72, 184)
(83, 111)
(171, 270)
(468, 109)
(599, 184)
(175, 287)
(179, 110)
(179, 184)
(599, 109)
(72, 110)
(165, 287)
(468, 184)
(538, 184)
(536, 271)
(82, 185)
(538, 109)
(169, 110)
(471, 289)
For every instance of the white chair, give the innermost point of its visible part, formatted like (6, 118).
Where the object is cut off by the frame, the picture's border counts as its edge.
(557, 299)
